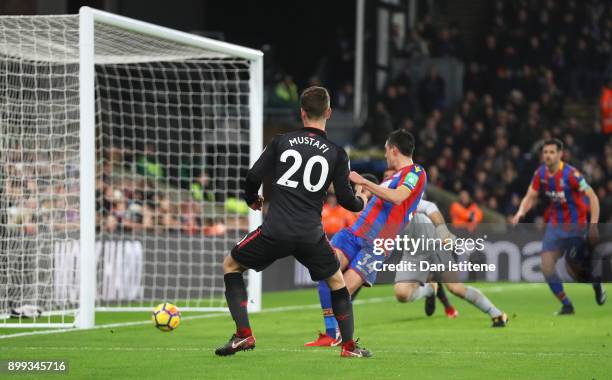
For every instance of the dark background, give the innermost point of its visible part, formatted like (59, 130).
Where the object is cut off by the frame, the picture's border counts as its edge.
(300, 32)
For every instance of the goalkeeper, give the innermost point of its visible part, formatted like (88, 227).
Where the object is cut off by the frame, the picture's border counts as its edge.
(410, 286)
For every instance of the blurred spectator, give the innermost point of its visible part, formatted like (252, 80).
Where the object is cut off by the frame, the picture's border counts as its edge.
(138, 216)
(489, 56)
(432, 91)
(397, 40)
(216, 228)
(445, 45)
(465, 213)
(581, 72)
(474, 80)
(285, 93)
(605, 104)
(403, 83)
(167, 214)
(457, 41)
(147, 163)
(111, 224)
(190, 217)
(201, 188)
(334, 216)
(415, 46)
(394, 104)
(377, 128)
(345, 98)
(341, 59)
(428, 136)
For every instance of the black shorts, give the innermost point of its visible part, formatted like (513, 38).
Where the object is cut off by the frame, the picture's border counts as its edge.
(257, 251)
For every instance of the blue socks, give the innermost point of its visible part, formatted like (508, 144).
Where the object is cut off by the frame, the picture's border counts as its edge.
(556, 286)
(331, 325)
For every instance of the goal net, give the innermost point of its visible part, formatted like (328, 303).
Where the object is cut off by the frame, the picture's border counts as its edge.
(122, 148)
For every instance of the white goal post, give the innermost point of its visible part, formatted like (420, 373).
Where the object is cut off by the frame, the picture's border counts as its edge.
(143, 133)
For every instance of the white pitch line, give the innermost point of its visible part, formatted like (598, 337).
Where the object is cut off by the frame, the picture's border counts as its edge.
(494, 289)
(188, 318)
(106, 326)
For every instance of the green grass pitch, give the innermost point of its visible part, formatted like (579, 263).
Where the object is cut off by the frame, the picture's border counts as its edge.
(405, 343)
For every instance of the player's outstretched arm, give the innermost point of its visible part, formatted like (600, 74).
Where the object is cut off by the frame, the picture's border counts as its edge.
(395, 196)
(344, 192)
(255, 176)
(526, 204)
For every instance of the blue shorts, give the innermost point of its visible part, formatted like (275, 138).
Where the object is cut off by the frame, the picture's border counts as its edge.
(564, 238)
(360, 254)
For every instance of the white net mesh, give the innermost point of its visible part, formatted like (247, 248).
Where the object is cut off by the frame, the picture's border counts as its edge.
(172, 130)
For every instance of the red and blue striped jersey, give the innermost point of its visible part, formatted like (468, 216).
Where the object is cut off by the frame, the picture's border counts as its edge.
(566, 191)
(383, 219)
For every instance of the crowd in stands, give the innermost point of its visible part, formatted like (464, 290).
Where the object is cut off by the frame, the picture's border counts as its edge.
(135, 194)
(334, 70)
(425, 40)
(33, 199)
(536, 56)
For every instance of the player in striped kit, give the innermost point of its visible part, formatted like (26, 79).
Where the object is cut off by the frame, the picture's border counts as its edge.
(393, 204)
(572, 214)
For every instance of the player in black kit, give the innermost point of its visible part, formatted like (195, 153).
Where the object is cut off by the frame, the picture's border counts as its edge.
(302, 165)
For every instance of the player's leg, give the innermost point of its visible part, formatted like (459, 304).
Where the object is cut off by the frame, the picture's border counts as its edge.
(552, 246)
(449, 309)
(343, 310)
(549, 260)
(342, 307)
(405, 281)
(332, 336)
(253, 251)
(583, 267)
(413, 291)
(345, 248)
(479, 300)
(430, 301)
(353, 280)
(595, 265)
(600, 293)
(356, 292)
(236, 295)
(331, 326)
(407, 286)
(595, 277)
(321, 262)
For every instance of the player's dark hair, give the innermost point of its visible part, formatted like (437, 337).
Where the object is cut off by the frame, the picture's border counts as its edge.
(371, 177)
(556, 142)
(402, 140)
(314, 101)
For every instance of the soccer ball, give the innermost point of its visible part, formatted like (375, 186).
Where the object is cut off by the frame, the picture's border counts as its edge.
(166, 316)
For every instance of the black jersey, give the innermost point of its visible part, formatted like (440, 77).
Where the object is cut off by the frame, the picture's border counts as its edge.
(302, 165)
